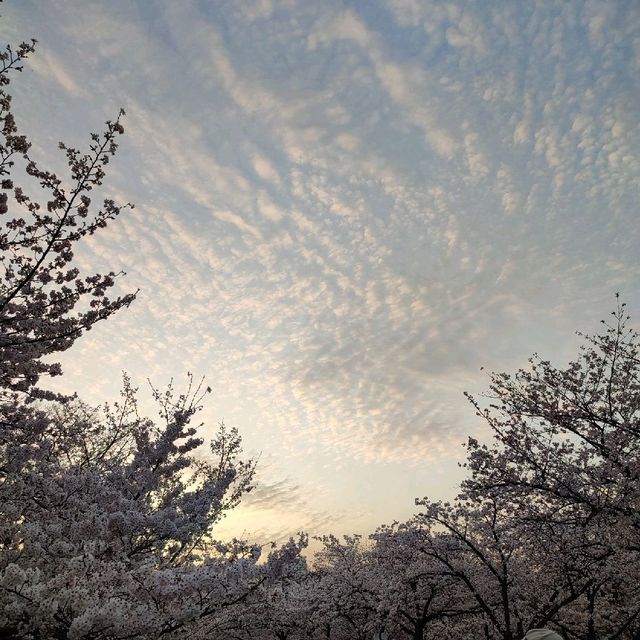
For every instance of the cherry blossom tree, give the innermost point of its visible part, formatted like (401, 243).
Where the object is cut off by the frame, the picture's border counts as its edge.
(107, 526)
(45, 301)
(544, 532)
(565, 455)
(568, 436)
(514, 581)
(419, 598)
(106, 517)
(347, 604)
(283, 607)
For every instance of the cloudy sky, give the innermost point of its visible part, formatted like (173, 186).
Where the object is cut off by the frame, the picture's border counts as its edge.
(343, 211)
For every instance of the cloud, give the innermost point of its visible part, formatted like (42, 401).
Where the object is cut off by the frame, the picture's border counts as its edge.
(274, 511)
(237, 221)
(468, 33)
(407, 86)
(341, 218)
(265, 169)
(407, 13)
(49, 67)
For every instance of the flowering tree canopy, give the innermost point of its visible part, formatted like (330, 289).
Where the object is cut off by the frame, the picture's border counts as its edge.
(106, 517)
(544, 531)
(45, 302)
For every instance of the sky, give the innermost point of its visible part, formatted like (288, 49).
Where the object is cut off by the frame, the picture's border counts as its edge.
(346, 214)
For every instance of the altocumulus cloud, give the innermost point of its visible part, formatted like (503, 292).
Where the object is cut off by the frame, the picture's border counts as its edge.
(344, 210)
